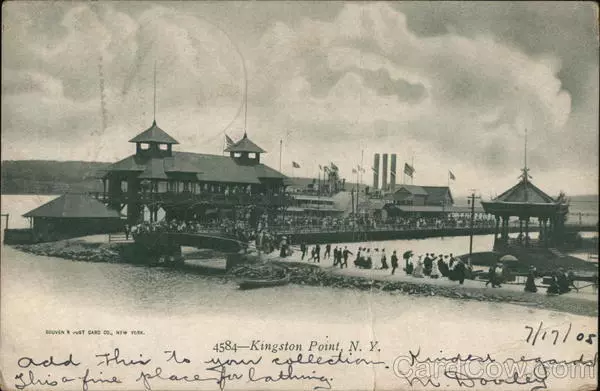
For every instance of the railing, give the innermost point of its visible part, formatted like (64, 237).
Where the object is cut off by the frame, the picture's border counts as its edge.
(200, 198)
(522, 243)
(377, 228)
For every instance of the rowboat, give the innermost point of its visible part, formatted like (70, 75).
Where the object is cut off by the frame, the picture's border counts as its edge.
(253, 283)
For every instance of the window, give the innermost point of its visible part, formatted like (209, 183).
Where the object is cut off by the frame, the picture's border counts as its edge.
(163, 147)
(172, 186)
(124, 186)
(252, 155)
(145, 185)
(162, 187)
(144, 146)
(237, 154)
(186, 186)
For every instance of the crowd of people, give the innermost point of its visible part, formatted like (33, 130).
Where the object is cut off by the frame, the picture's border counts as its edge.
(238, 229)
(560, 282)
(429, 265)
(349, 223)
(280, 225)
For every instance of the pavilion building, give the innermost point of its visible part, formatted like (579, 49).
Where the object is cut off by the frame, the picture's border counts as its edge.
(188, 185)
(527, 201)
(71, 215)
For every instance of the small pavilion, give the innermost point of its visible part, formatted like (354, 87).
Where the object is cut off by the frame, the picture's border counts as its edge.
(526, 201)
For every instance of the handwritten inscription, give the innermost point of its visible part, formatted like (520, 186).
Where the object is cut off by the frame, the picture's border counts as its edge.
(473, 371)
(556, 335)
(302, 367)
(259, 368)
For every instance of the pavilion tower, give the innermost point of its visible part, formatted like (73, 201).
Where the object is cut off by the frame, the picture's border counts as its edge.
(154, 143)
(245, 151)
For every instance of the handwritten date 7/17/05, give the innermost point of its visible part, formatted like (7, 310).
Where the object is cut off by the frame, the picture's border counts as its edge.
(556, 335)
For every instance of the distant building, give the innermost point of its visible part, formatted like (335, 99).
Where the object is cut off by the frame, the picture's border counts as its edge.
(433, 201)
(190, 185)
(72, 215)
(421, 196)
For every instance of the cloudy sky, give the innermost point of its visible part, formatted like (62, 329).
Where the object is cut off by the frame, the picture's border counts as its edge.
(451, 85)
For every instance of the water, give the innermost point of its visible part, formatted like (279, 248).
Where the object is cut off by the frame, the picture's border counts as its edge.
(18, 205)
(190, 313)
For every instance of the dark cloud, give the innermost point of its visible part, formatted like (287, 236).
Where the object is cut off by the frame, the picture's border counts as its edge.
(568, 30)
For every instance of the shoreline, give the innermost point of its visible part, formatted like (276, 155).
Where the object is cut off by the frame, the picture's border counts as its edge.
(309, 274)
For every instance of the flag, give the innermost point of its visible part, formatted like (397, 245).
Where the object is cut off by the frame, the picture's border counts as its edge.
(354, 171)
(409, 170)
(295, 165)
(452, 177)
(374, 170)
(229, 141)
(320, 167)
(393, 173)
(334, 167)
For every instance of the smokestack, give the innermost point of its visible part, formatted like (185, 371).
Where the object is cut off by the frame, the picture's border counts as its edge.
(384, 173)
(393, 173)
(376, 172)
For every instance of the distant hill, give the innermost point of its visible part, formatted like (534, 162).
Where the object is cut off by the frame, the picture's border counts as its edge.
(50, 177)
(57, 177)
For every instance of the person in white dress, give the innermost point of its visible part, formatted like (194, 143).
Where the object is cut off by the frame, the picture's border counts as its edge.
(435, 272)
(418, 272)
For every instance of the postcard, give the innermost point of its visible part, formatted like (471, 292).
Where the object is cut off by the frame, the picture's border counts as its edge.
(277, 195)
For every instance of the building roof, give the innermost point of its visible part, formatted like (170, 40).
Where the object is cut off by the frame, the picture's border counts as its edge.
(208, 168)
(74, 206)
(154, 134)
(525, 192)
(245, 145)
(524, 199)
(412, 189)
(435, 208)
(437, 194)
(154, 169)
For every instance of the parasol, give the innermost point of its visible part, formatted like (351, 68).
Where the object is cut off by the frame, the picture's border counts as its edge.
(508, 258)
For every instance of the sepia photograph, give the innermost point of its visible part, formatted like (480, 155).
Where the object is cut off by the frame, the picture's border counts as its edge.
(299, 195)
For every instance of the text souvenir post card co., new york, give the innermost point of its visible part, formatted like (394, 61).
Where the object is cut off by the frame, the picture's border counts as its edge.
(299, 196)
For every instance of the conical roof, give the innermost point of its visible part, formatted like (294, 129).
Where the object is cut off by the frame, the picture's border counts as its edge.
(245, 145)
(154, 134)
(525, 191)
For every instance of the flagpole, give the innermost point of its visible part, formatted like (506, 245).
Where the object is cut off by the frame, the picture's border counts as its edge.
(412, 177)
(280, 149)
(319, 183)
(357, 189)
(362, 155)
